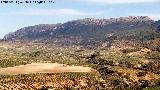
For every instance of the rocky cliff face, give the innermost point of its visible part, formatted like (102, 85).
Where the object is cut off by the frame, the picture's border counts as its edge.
(88, 29)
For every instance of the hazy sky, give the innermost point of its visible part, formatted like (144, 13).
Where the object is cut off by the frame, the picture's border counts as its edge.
(15, 16)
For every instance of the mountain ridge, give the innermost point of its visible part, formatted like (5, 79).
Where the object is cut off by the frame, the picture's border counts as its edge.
(87, 30)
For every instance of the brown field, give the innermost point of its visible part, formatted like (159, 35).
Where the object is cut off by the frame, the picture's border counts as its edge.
(42, 68)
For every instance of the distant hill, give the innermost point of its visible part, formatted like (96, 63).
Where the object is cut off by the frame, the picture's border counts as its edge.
(90, 31)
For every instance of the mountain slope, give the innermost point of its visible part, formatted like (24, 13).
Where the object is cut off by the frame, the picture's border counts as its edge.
(89, 30)
(157, 25)
(31, 32)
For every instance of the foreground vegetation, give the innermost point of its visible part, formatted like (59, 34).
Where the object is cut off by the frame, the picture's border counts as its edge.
(66, 81)
(121, 67)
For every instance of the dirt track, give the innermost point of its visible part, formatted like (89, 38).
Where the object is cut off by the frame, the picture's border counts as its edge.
(43, 68)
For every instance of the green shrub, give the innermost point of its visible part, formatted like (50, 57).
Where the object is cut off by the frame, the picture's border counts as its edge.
(128, 50)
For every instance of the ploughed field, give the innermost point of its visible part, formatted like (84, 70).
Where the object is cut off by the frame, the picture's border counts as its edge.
(42, 68)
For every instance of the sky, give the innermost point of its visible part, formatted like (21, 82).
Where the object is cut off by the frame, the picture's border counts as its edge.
(14, 16)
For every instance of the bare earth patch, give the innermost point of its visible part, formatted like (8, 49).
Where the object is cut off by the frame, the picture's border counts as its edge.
(43, 68)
